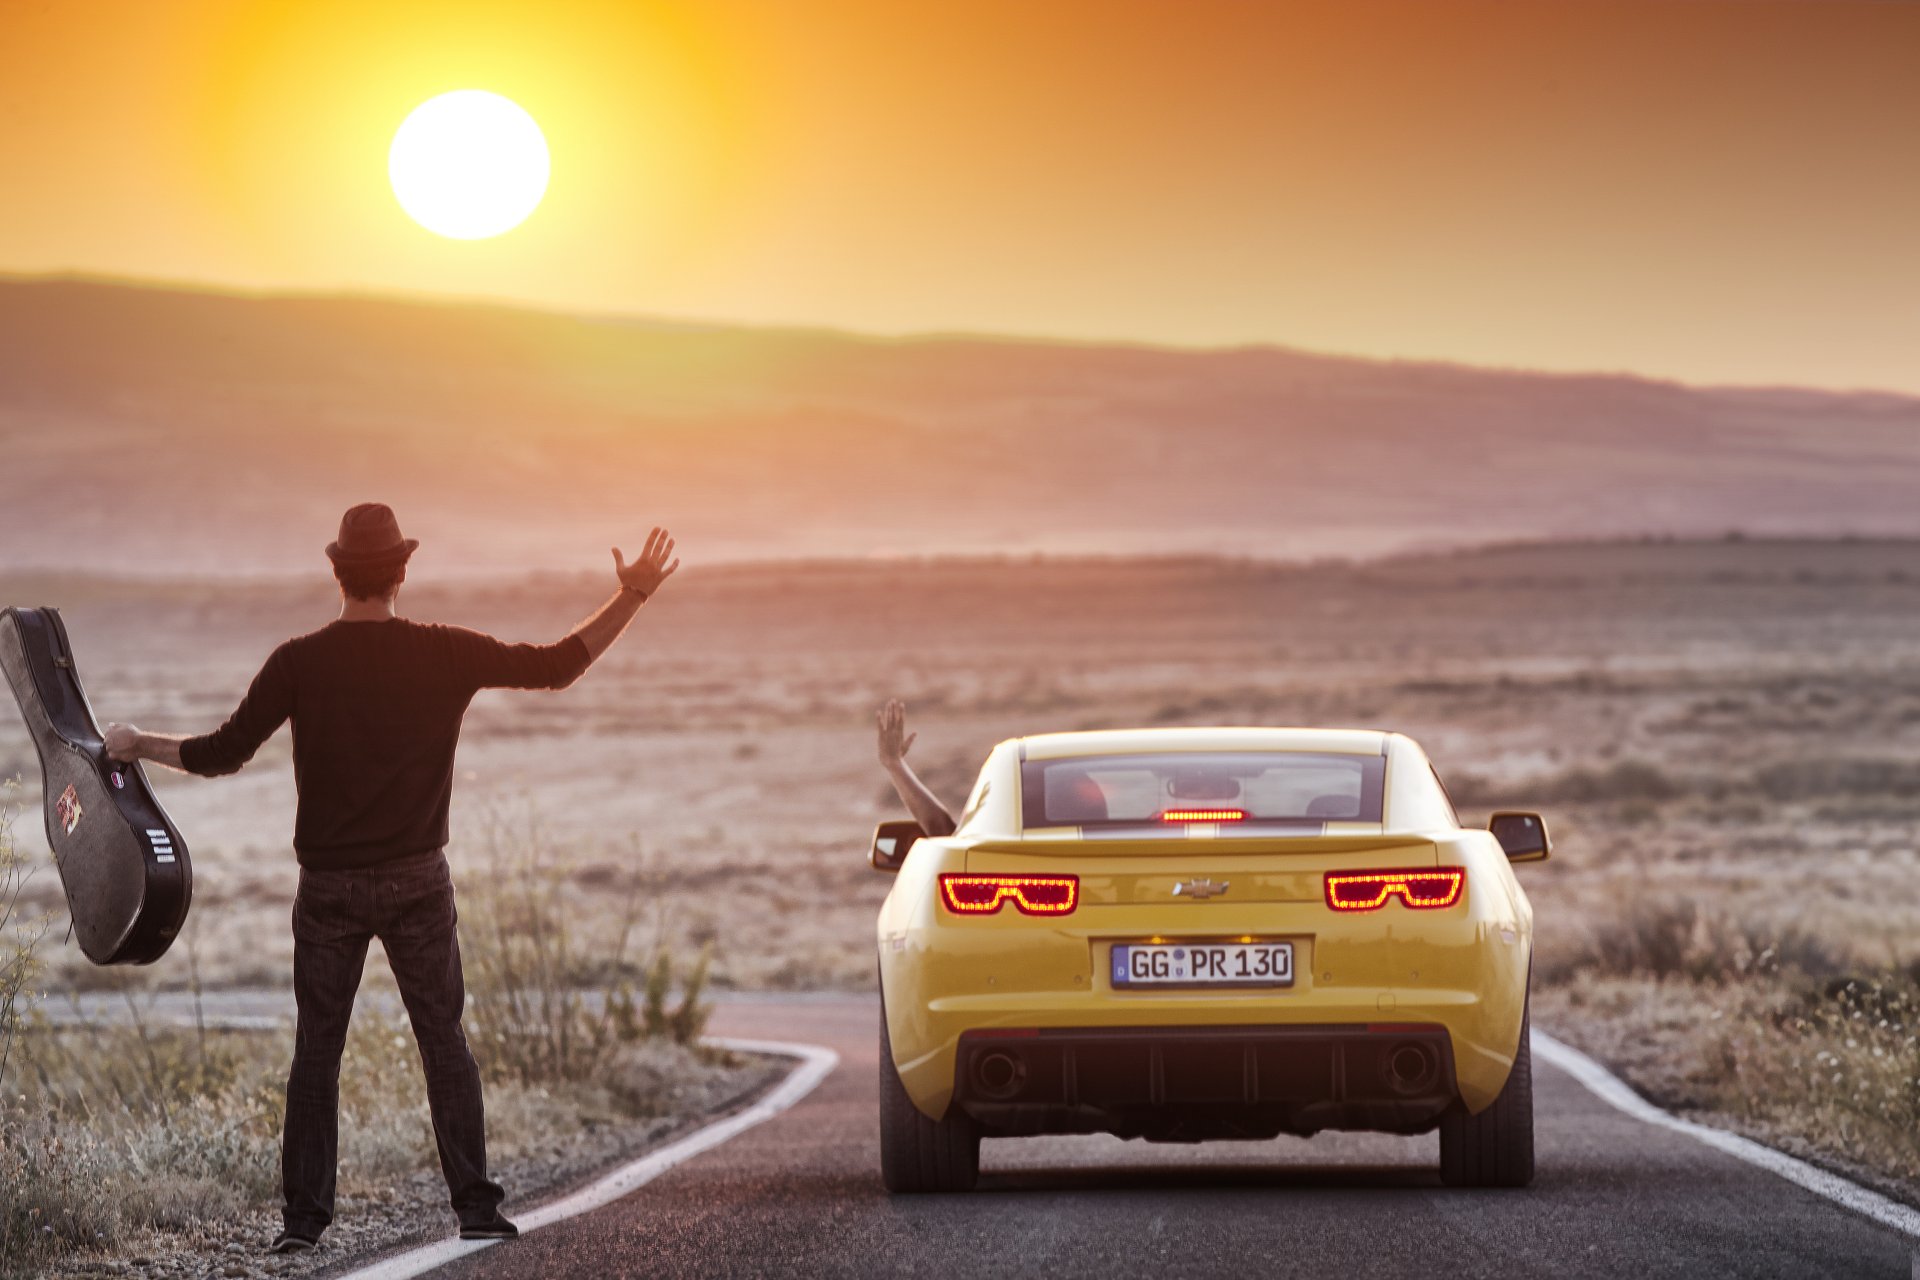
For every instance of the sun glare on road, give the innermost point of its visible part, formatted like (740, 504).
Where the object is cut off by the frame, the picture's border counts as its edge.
(469, 164)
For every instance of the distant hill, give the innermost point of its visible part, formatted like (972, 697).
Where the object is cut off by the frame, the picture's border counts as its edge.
(151, 430)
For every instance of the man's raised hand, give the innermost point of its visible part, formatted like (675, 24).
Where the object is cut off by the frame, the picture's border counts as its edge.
(643, 577)
(652, 568)
(895, 741)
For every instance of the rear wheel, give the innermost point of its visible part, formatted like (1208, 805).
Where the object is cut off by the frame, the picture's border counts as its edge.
(1494, 1148)
(918, 1154)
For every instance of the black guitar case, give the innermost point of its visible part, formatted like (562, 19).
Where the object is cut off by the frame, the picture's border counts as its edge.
(122, 861)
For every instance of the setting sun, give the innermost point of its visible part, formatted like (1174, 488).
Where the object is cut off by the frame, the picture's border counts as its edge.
(469, 164)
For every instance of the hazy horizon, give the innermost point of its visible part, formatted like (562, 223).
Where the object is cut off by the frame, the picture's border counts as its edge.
(661, 320)
(239, 426)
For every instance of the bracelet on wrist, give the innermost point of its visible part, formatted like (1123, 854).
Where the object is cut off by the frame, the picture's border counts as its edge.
(635, 590)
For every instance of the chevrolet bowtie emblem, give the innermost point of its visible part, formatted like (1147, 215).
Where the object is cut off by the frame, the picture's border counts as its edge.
(1202, 889)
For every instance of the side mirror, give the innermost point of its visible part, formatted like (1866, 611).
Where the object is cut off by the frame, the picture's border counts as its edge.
(891, 840)
(1522, 836)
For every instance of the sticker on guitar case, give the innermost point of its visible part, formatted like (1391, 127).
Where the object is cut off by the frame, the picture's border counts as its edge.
(67, 809)
(162, 844)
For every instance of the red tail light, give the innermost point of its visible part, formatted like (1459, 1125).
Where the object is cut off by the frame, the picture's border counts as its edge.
(1032, 895)
(1204, 815)
(1423, 888)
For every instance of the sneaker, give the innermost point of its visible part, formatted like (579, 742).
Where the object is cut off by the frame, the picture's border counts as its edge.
(495, 1228)
(292, 1242)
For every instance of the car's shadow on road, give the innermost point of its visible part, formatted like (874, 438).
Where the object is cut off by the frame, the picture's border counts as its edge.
(1214, 1178)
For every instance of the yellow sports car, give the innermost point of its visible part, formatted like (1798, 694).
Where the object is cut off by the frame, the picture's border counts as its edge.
(1189, 934)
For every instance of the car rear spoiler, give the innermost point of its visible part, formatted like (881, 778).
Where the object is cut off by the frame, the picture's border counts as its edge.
(1205, 846)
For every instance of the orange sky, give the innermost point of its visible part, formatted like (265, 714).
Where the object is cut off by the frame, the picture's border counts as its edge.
(1716, 191)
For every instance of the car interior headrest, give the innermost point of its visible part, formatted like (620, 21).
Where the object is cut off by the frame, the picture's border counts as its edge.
(1334, 807)
(1076, 798)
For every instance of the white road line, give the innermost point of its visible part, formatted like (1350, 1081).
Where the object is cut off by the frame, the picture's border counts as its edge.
(1616, 1093)
(815, 1063)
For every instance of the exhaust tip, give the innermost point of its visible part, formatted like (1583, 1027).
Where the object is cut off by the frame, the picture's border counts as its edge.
(999, 1074)
(1411, 1068)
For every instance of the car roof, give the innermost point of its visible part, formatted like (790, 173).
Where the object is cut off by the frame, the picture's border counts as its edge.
(1054, 746)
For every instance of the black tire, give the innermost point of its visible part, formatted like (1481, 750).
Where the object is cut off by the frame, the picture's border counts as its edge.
(918, 1154)
(1494, 1148)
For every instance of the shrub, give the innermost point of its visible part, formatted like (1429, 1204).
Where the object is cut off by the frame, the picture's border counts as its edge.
(19, 937)
(1665, 938)
(1843, 1068)
(546, 1001)
(1765, 1025)
(1829, 779)
(1636, 782)
(121, 1128)
(56, 1191)
(1624, 780)
(109, 1131)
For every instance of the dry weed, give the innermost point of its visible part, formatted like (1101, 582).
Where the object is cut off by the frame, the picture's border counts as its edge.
(1772, 1027)
(113, 1131)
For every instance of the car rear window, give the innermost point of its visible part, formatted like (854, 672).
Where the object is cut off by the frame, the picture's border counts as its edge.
(1246, 790)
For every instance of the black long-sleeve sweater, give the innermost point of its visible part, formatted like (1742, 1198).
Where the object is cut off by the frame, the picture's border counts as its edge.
(376, 710)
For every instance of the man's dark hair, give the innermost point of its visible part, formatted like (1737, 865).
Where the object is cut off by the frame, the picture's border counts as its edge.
(370, 582)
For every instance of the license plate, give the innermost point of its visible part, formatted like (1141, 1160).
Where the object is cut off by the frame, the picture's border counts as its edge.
(1203, 964)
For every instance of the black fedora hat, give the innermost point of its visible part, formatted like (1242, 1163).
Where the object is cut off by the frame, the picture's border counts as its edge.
(369, 535)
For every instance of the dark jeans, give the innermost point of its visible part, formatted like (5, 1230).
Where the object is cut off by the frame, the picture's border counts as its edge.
(408, 905)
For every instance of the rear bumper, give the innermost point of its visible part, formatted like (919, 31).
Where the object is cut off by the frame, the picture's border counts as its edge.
(1473, 991)
(1178, 1084)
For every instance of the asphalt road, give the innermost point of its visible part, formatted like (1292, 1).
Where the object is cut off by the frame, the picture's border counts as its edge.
(801, 1196)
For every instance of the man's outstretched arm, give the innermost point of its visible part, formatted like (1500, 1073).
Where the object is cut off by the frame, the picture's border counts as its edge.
(483, 662)
(895, 742)
(638, 582)
(268, 703)
(127, 743)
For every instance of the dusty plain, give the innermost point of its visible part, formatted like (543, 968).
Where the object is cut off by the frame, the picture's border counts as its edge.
(1733, 723)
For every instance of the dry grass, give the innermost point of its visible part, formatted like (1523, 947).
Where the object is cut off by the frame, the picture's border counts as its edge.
(20, 934)
(1727, 722)
(120, 1136)
(552, 987)
(1674, 938)
(1774, 1029)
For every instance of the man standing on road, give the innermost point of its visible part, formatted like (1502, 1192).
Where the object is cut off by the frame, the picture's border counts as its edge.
(376, 702)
